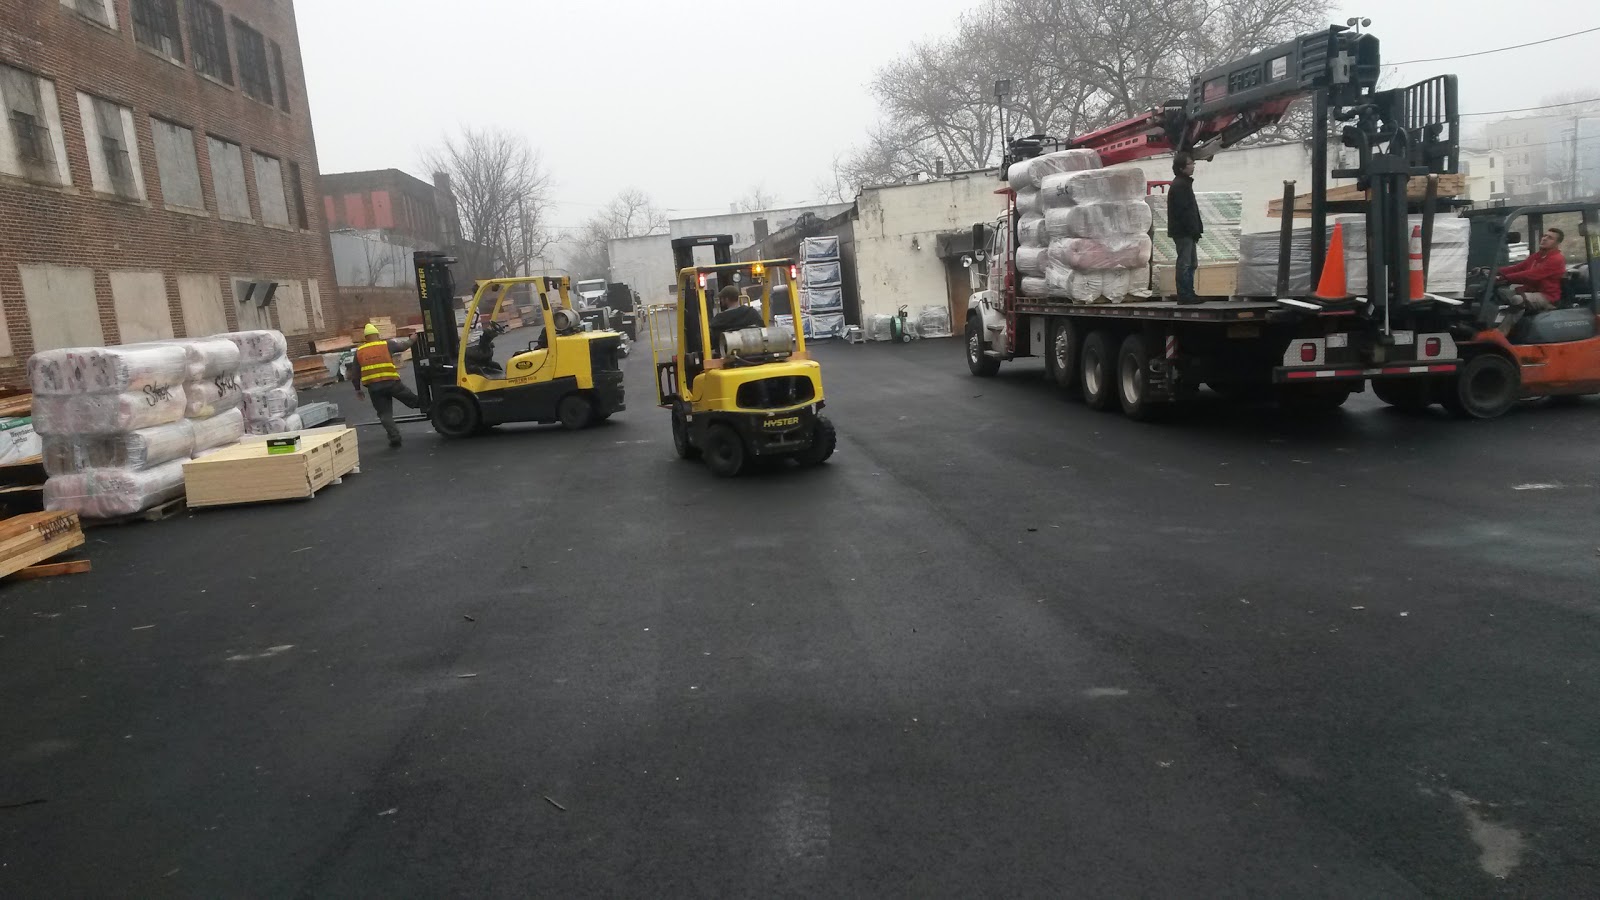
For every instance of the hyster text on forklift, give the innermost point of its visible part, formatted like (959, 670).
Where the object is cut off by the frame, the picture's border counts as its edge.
(1305, 351)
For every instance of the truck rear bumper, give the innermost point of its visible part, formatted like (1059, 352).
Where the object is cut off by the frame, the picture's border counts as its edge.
(1284, 374)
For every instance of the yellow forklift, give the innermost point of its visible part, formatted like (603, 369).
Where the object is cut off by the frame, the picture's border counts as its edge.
(567, 375)
(738, 395)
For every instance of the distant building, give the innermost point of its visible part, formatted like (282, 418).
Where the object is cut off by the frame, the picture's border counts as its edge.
(155, 161)
(1548, 158)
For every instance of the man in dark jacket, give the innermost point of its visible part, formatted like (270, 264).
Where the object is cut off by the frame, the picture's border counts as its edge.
(1184, 225)
(734, 316)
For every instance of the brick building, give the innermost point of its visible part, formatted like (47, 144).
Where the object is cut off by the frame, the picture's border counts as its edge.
(156, 157)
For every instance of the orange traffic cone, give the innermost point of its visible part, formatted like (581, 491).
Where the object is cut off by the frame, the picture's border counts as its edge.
(1333, 285)
(1418, 287)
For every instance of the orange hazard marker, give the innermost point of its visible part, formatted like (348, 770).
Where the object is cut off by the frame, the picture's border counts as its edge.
(1418, 285)
(1333, 285)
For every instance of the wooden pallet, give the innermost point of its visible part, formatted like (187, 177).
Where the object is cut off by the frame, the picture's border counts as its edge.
(16, 405)
(32, 538)
(154, 514)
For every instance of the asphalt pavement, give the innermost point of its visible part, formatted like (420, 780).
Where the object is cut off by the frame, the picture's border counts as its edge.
(1001, 645)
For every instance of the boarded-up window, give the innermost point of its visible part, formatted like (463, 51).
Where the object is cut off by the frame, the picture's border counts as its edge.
(291, 304)
(269, 190)
(249, 305)
(314, 294)
(177, 165)
(297, 195)
(282, 77)
(61, 307)
(98, 11)
(208, 40)
(227, 178)
(141, 303)
(155, 25)
(31, 144)
(203, 311)
(113, 153)
(254, 74)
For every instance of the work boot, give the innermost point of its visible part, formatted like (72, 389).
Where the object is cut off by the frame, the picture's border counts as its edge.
(394, 442)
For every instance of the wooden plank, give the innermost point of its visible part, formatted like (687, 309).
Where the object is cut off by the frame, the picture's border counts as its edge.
(16, 406)
(248, 474)
(333, 344)
(1416, 189)
(35, 537)
(50, 570)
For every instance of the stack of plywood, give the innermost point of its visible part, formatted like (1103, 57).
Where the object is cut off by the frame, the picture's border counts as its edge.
(310, 372)
(333, 344)
(32, 538)
(246, 473)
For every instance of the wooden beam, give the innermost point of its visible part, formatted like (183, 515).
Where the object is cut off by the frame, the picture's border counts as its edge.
(50, 570)
(1449, 186)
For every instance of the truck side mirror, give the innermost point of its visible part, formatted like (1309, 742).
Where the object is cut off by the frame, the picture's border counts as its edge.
(980, 236)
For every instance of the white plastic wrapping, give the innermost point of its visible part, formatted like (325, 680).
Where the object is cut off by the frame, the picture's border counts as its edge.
(273, 425)
(822, 300)
(1029, 203)
(206, 358)
(258, 346)
(87, 414)
(820, 274)
(1098, 220)
(142, 449)
(1258, 258)
(1088, 285)
(878, 328)
(1031, 231)
(1029, 174)
(104, 493)
(260, 376)
(824, 248)
(106, 370)
(1035, 286)
(934, 321)
(218, 431)
(1031, 260)
(1119, 252)
(269, 403)
(1092, 186)
(213, 397)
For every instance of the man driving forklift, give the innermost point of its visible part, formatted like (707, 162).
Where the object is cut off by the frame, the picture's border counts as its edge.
(733, 315)
(1536, 281)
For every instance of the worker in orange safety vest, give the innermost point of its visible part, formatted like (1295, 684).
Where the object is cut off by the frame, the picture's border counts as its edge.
(374, 369)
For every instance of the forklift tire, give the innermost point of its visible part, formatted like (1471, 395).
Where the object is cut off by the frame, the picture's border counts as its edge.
(575, 412)
(1098, 363)
(1061, 355)
(1410, 395)
(823, 439)
(724, 451)
(456, 416)
(978, 362)
(1133, 378)
(1485, 387)
(680, 438)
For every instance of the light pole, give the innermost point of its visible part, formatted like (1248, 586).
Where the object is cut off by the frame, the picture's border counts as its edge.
(1002, 90)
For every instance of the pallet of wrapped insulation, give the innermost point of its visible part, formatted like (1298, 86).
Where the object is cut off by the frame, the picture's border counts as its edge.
(1098, 227)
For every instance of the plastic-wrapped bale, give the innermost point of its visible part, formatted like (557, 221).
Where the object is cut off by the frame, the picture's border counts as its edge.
(106, 493)
(258, 346)
(1119, 252)
(1093, 186)
(879, 328)
(106, 370)
(823, 300)
(1029, 203)
(269, 403)
(1031, 260)
(1088, 285)
(218, 431)
(1098, 220)
(207, 358)
(823, 248)
(822, 274)
(274, 425)
(1031, 232)
(271, 374)
(1258, 264)
(1029, 174)
(823, 326)
(1034, 286)
(81, 414)
(142, 449)
(934, 321)
(212, 397)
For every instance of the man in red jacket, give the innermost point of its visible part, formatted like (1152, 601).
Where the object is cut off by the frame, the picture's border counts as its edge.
(1538, 278)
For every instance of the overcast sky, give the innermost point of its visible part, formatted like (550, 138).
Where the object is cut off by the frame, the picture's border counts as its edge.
(603, 87)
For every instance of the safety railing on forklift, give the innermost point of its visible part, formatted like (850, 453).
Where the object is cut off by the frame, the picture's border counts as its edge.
(661, 327)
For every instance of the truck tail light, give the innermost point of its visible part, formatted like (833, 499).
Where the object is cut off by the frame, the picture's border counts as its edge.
(1431, 347)
(1308, 352)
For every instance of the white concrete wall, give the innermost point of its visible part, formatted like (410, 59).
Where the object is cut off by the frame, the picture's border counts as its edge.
(644, 264)
(896, 260)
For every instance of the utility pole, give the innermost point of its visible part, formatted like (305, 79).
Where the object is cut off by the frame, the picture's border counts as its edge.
(1572, 171)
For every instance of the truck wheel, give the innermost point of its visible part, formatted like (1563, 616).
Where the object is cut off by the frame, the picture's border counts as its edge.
(724, 451)
(680, 437)
(823, 439)
(1133, 378)
(574, 411)
(456, 415)
(1061, 355)
(1099, 368)
(981, 365)
(1486, 387)
(1411, 395)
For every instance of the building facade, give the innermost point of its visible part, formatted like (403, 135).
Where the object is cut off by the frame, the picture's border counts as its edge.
(1548, 159)
(156, 159)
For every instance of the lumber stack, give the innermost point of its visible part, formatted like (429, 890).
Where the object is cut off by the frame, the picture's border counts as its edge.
(32, 538)
(310, 372)
(333, 344)
(386, 329)
(1416, 190)
(247, 473)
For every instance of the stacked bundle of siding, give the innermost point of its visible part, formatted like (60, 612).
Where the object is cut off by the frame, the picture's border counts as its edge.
(1259, 253)
(117, 423)
(1082, 231)
(267, 377)
(821, 287)
(1222, 214)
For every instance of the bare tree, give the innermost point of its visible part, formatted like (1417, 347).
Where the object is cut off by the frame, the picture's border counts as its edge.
(503, 192)
(757, 199)
(1074, 66)
(376, 261)
(632, 213)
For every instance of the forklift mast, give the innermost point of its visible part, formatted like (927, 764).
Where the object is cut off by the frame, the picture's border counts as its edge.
(683, 250)
(435, 359)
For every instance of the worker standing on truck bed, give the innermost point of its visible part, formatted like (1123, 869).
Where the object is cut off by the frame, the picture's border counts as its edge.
(374, 369)
(1184, 225)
